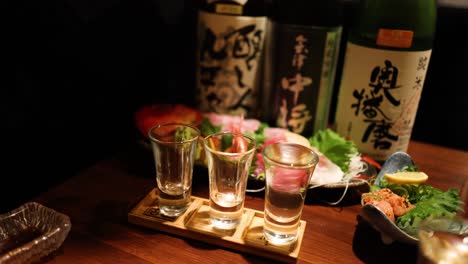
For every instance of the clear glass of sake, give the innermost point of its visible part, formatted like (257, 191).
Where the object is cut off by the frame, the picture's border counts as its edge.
(174, 147)
(288, 169)
(229, 157)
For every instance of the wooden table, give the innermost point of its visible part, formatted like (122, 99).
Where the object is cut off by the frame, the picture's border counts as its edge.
(98, 199)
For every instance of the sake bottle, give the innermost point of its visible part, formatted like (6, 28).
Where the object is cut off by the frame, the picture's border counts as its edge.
(387, 56)
(231, 36)
(301, 60)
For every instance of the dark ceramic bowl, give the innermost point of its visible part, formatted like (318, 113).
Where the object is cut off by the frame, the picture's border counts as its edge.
(388, 230)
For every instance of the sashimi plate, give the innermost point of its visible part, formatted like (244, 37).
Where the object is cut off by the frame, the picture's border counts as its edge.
(341, 189)
(327, 175)
(324, 166)
(257, 180)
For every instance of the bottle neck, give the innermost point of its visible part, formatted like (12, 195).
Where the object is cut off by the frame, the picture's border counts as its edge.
(237, 7)
(416, 18)
(328, 13)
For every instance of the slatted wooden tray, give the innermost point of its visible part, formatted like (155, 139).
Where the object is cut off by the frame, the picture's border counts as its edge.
(195, 224)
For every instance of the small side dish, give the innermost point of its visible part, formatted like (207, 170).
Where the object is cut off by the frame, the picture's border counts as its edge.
(31, 232)
(400, 199)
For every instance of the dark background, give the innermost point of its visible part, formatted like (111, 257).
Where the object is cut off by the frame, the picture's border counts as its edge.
(77, 70)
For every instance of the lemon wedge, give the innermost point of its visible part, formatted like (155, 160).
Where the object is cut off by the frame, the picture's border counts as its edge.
(409, 177)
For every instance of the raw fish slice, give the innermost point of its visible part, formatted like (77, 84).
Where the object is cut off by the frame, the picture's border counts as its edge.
(227, 122)
(326, 171)
(288, 180)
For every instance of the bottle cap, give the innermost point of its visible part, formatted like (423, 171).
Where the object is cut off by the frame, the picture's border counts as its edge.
(308, 12)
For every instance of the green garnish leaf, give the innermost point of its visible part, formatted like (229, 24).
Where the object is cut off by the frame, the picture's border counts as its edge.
(226, 142)
(334, 147)
(182, 134)
(429, 202)
(440, 204)
(259, 134)
(206, 128)
(409, 168)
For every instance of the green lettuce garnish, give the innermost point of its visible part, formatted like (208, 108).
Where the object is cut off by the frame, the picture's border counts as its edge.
(439, 204)
(183, 134)
(259, 134)
(226, 142)
(206, 128)
(334, 147)
(429, 202)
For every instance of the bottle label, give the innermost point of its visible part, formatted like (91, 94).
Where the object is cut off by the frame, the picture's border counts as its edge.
(303, 69)
(395, 38)
(229, 9)
(229, 63)
(379, 97)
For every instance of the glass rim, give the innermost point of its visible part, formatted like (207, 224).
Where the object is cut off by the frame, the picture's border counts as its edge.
(194, 128)
(297, 165)
(207, 146)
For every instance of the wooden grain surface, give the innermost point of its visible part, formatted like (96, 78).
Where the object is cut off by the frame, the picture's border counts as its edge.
(99, 198)
(195, 224)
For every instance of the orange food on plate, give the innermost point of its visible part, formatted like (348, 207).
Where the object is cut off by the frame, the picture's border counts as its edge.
(151, 115)
(388, 202)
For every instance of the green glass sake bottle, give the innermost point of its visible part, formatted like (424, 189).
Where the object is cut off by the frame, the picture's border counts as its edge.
(387, 56)
(300, 63)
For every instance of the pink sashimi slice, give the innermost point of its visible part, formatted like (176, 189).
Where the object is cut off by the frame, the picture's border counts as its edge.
(275, 133)
(326, 171)
(288, 180)
(228, 122)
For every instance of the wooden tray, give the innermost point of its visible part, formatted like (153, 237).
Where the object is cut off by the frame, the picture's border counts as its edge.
(195, 224)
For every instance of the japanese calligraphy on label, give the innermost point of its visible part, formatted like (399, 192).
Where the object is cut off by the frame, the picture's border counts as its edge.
(378, 100)
(304, 71)
(228, 68)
